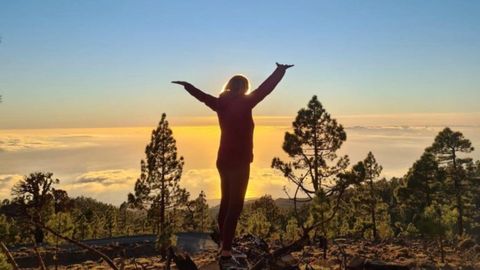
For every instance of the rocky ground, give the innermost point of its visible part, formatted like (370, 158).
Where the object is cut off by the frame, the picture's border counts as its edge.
(361, 254)
(411, 254)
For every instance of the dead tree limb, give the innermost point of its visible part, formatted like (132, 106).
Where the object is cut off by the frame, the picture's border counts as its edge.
(10, 258)
(80, 244)
(182, 261)
(295, 246)
(39, 256)
(268, 258)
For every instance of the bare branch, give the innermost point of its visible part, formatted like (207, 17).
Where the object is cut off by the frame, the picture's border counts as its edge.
(75, 242)
(10, 258)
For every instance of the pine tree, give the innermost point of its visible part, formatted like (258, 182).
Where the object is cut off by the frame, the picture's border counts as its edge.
(7, 230)
(110, 221)
(35, 196)
(425, 179)
(62, 223)
(123, 219)
(158, 185)
(81, 228)
(422, 187)
(315, 168)
(292, 230)
(386, 191)
(474, 175)
(476, 171)
(270, 210)
(201, 215)
(312, 146)
(447, 147)
(4, 264)
(368, 197)
(258, 224)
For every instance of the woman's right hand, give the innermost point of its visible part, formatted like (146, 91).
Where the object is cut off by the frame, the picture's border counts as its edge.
(282, 66)
(184, 84)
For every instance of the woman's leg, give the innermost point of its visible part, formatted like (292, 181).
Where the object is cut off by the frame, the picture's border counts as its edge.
(224, 187)
(237, 188)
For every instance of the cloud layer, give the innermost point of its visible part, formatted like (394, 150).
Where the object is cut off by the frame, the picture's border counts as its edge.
(104, 163)
(107, 177)
(24, 142)
(7, 181)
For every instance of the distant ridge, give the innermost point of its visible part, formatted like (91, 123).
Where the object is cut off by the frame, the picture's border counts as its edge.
(283, 203)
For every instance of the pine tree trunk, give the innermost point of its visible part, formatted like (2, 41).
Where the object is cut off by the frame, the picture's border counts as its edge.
(315, 181)
(372, 210)
(38, 235)
(442, 251)
(460, 214)
(163, 251)
(458, 196)
(374, 223)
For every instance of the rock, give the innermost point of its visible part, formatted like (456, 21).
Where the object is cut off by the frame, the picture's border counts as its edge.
(466, 244)
(447, 267)
(379, 265)
(399, 241)
(356, 263)
(410, 263)
(340, 240)
(401, 253)
(308, 253)
(286, 262)
(89, 263)
(211, 266)
(428, 266)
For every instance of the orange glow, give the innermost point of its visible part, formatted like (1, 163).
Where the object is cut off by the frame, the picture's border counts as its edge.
(114, 153)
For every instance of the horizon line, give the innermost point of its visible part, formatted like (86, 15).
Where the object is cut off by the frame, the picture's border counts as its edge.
(283, 120)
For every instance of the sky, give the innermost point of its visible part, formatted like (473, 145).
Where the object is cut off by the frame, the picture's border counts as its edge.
(82, 78)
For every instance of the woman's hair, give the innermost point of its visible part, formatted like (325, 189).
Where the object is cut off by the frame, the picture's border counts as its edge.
(237, 84)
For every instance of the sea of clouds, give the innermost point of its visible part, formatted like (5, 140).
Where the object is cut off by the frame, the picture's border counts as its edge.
(104, 163)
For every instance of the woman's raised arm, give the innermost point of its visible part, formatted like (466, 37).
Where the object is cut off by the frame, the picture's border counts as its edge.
(209, 100)
(269, 84)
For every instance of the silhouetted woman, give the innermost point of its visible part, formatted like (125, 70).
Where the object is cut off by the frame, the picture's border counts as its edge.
(234, 109)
